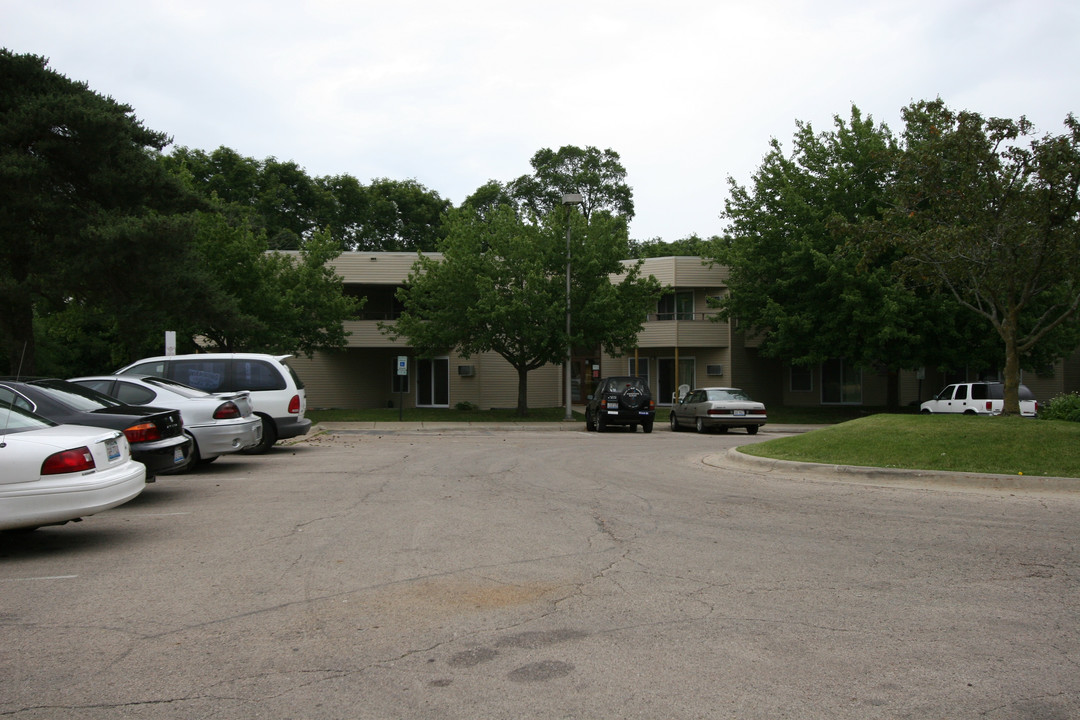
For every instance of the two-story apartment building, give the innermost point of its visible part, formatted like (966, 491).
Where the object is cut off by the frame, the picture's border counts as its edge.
(681, 344)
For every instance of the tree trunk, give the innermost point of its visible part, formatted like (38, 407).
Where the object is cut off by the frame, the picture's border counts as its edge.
(1012, 365)
(523, 392)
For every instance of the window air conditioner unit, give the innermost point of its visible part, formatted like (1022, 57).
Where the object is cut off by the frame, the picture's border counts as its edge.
(466, 370)
(714, 369)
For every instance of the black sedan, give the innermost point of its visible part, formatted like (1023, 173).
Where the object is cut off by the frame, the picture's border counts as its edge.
(156, 435)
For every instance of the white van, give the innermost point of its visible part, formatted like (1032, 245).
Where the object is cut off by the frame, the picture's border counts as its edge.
(978, 398)
(277, 392)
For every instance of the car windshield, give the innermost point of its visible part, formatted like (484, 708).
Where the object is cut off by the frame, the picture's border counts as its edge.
(727, 395)
(76, 396)
(176, 387)
(14, 419)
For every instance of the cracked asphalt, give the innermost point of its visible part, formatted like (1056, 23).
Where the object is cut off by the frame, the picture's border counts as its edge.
(472, 573)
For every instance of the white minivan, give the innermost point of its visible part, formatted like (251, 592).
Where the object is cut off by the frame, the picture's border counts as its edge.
(277, 392)
(978, 398)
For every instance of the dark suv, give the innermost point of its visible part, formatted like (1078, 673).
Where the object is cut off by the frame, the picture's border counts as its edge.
(620, 401)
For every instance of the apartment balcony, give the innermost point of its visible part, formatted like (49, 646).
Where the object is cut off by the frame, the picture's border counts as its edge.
(684, 329)
(661, 330)
(365, 330)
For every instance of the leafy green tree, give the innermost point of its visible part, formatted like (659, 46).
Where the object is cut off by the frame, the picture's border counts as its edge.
(271, 301)
(800, 275)
(793, 276)
(89, 217)
(499, 286)
(989, 212)
(597, 175)
(275, 197)
(688, 246)
(400, 215)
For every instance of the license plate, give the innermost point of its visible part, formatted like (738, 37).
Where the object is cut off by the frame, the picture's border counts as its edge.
(738, 412)
(113, 449)
(178, 456)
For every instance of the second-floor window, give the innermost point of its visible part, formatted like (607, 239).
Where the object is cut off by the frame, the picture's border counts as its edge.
(678, 305)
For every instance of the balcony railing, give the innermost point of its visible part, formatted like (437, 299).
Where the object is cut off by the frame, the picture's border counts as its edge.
(660, 317)
(377, 315)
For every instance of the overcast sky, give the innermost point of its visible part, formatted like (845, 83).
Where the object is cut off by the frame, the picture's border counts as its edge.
(453, 94)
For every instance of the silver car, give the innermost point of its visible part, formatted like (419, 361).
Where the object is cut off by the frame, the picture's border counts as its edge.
(219, 423)
(717, 407)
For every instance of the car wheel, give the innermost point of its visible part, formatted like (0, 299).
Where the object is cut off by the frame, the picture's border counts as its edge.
(269, 437)
(751, 429)
(700, 424)
(674, 422)
(924, 411)
(647, 427)
(601, 423)
(590, 424)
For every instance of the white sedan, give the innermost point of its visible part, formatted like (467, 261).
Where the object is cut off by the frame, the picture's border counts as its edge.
(219, 423)
(51, 474)
(719, 408)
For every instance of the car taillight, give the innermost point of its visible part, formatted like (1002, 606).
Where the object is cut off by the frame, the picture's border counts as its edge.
(228, 411)
(68, 461)
(294, 405)
(143, 432)
(989, 406)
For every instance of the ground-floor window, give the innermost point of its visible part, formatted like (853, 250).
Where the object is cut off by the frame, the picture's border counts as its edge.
(433, 382)
(639, 367)
(802, 378)
(841, 383)
(668, 383)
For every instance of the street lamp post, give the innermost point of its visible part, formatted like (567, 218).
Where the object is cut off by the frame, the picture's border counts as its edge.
(568, 200)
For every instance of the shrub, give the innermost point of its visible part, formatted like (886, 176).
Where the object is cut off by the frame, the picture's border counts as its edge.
(1062, 407)
(466, 406)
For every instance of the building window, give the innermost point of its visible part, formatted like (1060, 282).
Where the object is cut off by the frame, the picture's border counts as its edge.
(841, 383)
(802, 378)
(676, 306)
(639, 367)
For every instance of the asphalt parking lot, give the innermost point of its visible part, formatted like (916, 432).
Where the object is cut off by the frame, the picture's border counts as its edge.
(479, 573)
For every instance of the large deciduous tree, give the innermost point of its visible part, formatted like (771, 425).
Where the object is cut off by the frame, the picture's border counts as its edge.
(597, 175)
(499, 286)
(990, 212)
(88, 214)
(798, 274)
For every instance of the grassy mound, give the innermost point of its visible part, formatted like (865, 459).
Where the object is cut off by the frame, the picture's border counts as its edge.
(1002, 445)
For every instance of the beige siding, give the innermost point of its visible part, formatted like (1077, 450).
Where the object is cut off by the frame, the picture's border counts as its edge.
(366, 334)
(376, 268)
(684, 272)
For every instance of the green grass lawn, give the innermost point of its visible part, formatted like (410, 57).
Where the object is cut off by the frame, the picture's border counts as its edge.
(1001, 445)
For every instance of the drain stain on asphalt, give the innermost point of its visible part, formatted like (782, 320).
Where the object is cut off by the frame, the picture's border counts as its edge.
(541, 671)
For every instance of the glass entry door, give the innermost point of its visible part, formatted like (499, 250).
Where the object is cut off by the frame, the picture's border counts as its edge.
(433, 382)
(667, 383)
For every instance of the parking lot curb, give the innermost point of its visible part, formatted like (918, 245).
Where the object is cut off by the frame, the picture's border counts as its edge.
(925, 479)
